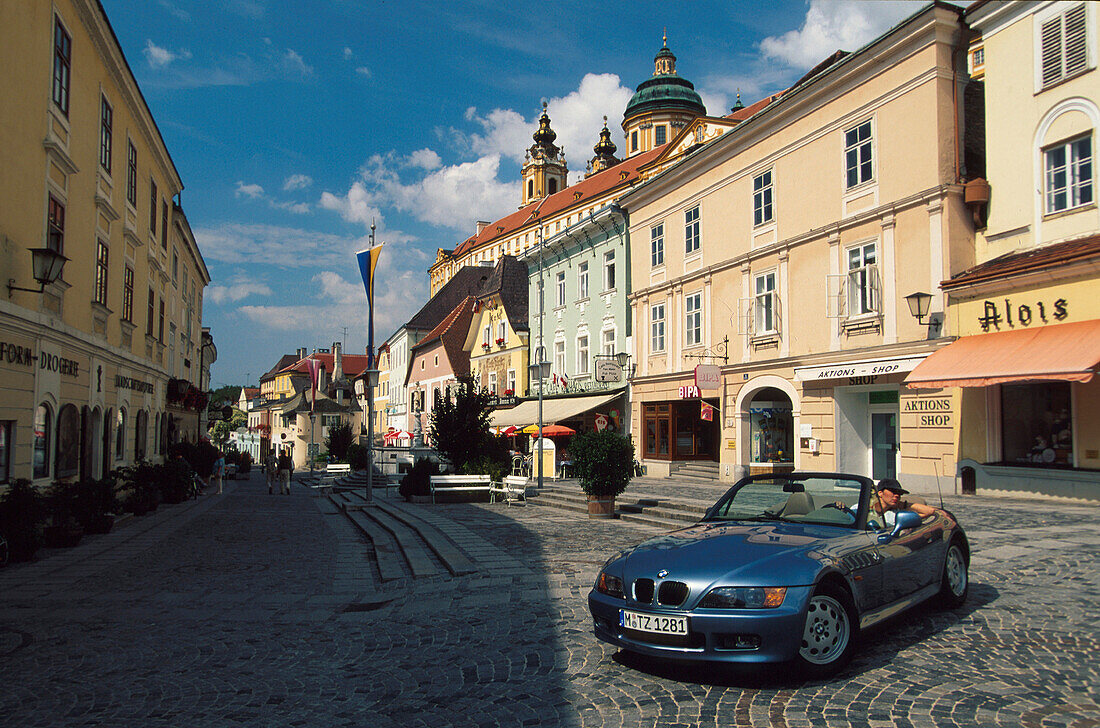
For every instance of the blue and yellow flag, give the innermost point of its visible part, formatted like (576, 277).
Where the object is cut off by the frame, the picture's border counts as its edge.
(368, 260)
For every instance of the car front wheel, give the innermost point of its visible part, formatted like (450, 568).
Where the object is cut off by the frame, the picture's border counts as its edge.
(956, 578)
(828, 635)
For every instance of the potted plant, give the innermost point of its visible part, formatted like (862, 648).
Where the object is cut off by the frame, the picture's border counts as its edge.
(604, 462)
(21, 516)
(96, 504)
(62, 501)
(500, 341)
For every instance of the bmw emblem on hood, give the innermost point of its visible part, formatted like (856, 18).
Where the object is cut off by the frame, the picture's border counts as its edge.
(662, 573)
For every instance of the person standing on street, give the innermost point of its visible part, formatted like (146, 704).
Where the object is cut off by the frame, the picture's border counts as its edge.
(271, 467)
(286, 468)
(219, 470)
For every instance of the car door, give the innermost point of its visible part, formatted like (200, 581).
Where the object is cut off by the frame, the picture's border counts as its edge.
(863, 562)
(910, 561)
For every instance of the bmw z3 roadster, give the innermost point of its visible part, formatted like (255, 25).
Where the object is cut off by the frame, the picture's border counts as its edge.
(782, 568)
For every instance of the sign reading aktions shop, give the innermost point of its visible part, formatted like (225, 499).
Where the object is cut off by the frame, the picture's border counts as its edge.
(16, 354)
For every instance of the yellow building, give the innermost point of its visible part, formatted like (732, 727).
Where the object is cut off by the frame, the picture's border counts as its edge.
(1028, 312)
(101, 365)
(779, 256)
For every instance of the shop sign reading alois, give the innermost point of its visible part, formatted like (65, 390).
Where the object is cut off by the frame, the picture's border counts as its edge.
(1021, 314)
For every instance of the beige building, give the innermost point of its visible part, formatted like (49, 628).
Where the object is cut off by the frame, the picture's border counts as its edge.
(100, 365)
(1028, 312)
(781, 253)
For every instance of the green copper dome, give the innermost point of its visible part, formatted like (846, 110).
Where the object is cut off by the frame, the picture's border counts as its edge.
(664, 90)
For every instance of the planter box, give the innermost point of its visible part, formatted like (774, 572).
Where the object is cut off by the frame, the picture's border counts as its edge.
(601, 507)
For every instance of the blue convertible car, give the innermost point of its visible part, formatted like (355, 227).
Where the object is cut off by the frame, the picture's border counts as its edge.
(782, 568)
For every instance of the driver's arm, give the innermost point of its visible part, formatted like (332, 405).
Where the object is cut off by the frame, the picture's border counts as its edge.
(921, 509)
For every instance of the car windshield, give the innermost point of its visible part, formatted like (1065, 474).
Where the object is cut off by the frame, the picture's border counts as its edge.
(832, 500)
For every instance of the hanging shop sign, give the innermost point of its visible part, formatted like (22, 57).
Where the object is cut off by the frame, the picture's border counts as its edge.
(707, 376)
(863, 372)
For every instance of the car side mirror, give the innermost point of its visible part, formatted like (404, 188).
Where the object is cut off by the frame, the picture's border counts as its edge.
(905, 520)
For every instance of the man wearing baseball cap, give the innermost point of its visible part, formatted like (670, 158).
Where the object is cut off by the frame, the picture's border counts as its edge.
(888, 501)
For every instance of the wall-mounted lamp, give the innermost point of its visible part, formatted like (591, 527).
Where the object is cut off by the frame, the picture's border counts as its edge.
(918, 305)
(47, 265)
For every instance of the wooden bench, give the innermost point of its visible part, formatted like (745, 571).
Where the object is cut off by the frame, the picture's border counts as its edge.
(459, 483)
(513, 489)
(332, 472)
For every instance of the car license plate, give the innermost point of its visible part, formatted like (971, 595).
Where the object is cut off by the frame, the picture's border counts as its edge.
(656, 623)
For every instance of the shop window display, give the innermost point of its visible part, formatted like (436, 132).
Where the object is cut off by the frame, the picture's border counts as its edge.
(771, 432)
(1036, 424)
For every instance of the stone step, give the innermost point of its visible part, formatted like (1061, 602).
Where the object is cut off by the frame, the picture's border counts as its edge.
(661, 512)
(403, 542)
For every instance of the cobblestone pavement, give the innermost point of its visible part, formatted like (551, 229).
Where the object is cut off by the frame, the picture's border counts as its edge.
(266, 610)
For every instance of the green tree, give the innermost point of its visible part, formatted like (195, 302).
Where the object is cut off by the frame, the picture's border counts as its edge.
(238, 420)
(338, 440)
(219, 433)
(603, 461)
(459, 427)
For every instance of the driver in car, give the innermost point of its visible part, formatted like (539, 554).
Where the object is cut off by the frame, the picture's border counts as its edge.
(888, 501)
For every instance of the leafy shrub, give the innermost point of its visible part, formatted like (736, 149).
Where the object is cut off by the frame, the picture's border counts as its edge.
(22, 513)
(200, 455)
(62, 502)
(604, 462)
(339, 439)
(358, 457)
(95, 500)
(417, 481)
(486, 465)
(174, 480)
(139, 492)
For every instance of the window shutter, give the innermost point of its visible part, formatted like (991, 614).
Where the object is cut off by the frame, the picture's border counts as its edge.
(777, 313)
(1051, 34)
(836, 295)
(874, 283)
(1076, 48)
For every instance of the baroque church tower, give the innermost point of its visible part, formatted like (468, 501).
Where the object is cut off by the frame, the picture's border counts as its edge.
(661, 106)
(544, 169)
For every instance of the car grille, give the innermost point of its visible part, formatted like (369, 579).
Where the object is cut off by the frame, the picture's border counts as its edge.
(672, 593)
(643, 591)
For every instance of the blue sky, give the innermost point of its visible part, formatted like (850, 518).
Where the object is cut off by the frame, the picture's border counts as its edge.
(295, 124)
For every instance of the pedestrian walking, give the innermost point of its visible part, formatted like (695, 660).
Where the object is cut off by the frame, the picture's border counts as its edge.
(286, 468)
(219, 470)
(271, 468)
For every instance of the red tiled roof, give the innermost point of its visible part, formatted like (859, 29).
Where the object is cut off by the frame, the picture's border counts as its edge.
(354, 364)
(1029, 261)
(590, 189)
(746, 112)
(451, 332)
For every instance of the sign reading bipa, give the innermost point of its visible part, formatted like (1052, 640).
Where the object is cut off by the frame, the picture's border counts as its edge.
(707, 376)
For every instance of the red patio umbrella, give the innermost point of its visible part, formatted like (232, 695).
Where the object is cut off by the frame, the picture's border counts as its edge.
(551, 430)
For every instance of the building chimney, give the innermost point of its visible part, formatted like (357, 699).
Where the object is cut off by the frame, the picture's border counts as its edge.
(481, 225)
(337, 361)
(302, 353)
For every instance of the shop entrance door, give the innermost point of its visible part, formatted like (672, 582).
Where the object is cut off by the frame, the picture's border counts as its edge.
(884, 445)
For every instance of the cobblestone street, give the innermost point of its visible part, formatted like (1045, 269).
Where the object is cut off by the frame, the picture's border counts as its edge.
(266, 610)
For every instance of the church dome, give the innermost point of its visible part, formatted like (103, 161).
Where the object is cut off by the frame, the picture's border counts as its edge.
(665, 90)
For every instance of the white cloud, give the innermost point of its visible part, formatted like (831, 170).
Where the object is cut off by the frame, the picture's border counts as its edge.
(297, 182)
(253, 191)
(284, 247)
(348, 53)
(298, 208)
(237, 290)
(294, 65)
(158, 57)
(363, 71)
(425, 159)
(832, 25)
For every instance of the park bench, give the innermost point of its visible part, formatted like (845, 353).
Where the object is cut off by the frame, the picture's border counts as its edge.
(459, 483)
(332, 472)
(513, 489)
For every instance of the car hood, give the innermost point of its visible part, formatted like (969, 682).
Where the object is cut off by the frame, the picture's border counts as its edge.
(736, 554)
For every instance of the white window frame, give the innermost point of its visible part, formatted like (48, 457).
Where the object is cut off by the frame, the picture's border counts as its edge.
(609, 270)
(511, 381)
(693, 319)
(657, 327)
(763, 198)
(607, 342)
(857, 147)
(582, 280)
(693, 242)
(863, 294)
(561, 288)
(1072, 179)
(559, 356)
(765, 304)
(1062, 55)
(582, 355)
(657, 245)
(502, 333)
(492, 383)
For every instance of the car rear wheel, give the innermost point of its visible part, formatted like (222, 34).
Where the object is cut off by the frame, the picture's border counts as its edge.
(956, 578)
(828, 635)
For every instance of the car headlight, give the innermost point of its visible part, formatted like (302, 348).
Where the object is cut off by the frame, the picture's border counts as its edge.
(744, 597)
(610, 585)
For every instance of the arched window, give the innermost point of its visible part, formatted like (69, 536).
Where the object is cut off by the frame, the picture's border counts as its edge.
(68, 442)
(108, 423)
(141, 428)
(42, 426)
(120, 434)
(553, 185)
(530, 188)
(156, 433)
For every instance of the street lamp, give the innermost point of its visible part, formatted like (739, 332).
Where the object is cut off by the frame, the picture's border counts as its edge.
(372, 382)
(47, 264)
(918, 305)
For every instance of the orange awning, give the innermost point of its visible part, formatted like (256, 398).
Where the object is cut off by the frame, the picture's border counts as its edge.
(1061, 353)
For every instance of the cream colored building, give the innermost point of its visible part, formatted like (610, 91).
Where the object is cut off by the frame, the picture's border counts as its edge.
(782, 251)
(1028, 312)
(99, 367)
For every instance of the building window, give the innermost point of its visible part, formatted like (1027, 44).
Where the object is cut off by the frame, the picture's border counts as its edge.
(1069, 175)
(502, 333)
(634, 141)
(582, 281)
(152, 313)
(693, 319)
(62, 65)
(762, 198)
(1036, 424)
(131, 173)
(141, 435)
(492, 383)
(152, 207)
(691, 231)
(160, 327)
(857, 155)
(164, 224)
(68, 442)
(657, 327)
(561, 288)
(657, 245)
(511, 381)
(102, 253)
(128, 294)
(607, 342)
(659, 135)
(764, 304)
(7, 427)
(42, 428)
(120, 435)
(55, 236)
(330, 420)
(609, 270)
(559, 357)
(1064, 40)
(863, 296)
(582, 355)
(105, 115)
(175, 265)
